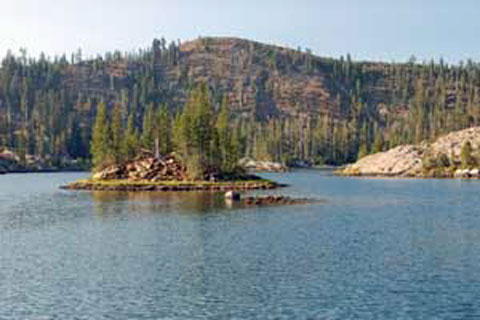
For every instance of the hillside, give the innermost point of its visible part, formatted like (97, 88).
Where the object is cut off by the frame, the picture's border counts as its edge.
(445, 157)
(287, 105)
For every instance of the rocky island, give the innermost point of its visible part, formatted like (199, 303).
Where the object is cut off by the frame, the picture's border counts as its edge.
(165, 174)
(199, 154)
(455, 155)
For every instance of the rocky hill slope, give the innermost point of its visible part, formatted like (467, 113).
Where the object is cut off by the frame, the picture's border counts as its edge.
(442, 158)
(259, 79)
(287, 103)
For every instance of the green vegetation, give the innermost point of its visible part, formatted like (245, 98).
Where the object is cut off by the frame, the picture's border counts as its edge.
(129, 185)
(201, 138)
(438, 166)
(466, 156)
(152, 100)
(442, 165)
(101, 147)
(174, 183)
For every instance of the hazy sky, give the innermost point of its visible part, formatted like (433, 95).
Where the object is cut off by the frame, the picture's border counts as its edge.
(368, 29)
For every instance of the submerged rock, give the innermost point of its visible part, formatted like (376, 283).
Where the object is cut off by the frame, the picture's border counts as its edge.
(232, 196)
(274, 200)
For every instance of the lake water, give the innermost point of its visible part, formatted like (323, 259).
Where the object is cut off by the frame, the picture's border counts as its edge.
(372, 249)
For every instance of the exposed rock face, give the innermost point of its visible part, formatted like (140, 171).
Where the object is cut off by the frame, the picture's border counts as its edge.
(410, 160)
(451, 144)
(400, 161)
(265, 166)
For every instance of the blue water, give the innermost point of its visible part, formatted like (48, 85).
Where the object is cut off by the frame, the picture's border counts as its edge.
(371, 249)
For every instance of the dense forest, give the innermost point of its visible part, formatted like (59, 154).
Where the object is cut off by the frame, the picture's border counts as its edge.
(282, 104)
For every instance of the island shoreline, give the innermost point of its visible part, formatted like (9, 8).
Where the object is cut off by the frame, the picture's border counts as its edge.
(136, 186)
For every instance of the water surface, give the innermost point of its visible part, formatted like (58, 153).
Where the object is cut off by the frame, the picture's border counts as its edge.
(373, 249)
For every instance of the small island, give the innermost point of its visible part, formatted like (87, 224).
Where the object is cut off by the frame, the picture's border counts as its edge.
(166, 174)
(192, 150)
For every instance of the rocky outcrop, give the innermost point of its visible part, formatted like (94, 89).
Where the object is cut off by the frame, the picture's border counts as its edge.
(262, 166)
(400, 161)
(11, 162)
(467, 173)
(438, 159)
(451, 144)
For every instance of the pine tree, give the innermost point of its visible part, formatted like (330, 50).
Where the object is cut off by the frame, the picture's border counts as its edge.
(163, 129)
(202, 122)
(101, 141)
(178, 130)
(147, 131)
(117, 135)
(130, 141)
(223, 135)
(378, 142)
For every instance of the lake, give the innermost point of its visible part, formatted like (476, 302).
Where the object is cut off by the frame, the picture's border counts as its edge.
(371, 249)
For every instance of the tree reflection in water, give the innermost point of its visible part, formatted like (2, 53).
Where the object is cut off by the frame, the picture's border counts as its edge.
(114, 203)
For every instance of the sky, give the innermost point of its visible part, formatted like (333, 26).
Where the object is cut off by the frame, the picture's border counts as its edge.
(385, 30)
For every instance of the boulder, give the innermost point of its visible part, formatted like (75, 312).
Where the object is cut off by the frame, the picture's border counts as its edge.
(474, 173)
(458, 173)
(110, 173)
(232, 196)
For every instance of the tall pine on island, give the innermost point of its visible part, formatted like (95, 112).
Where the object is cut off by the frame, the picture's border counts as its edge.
(201, 138)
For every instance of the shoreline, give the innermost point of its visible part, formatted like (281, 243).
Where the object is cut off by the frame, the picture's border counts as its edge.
(402, 177)
(176, 186)
(41, 171)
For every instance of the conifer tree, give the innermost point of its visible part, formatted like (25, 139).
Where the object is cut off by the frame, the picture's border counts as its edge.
(202, 121)
(223, 134)
(117, 134)
(163, 129)
(147, 131)
(101, 142)
(130, 141)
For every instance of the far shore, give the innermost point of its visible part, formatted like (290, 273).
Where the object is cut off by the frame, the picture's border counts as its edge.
(26, 171)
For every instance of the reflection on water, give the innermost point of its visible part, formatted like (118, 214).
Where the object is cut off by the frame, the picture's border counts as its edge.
(376, 249)
(158, 202)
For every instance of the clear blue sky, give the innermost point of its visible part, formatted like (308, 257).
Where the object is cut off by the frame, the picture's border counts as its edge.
(368, 29)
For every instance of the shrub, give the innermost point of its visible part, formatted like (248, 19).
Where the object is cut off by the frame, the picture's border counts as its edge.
(466, 156)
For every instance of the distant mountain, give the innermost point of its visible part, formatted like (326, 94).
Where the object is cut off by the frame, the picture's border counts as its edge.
(289, 105)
